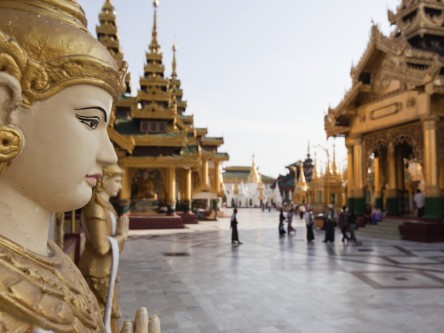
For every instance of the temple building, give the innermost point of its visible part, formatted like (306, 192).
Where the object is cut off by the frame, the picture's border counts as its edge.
(391, 118)
(245, 187)
(167, 161)
(294, 185)
(304, 184)
(327, 187)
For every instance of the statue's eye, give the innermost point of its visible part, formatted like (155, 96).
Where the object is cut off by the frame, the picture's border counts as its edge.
(91, 122)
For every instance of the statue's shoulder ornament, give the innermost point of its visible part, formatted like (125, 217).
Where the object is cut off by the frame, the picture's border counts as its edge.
(44, 292)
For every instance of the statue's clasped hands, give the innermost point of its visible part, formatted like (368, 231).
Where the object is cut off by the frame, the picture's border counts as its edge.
(123, 225)
(142, 323)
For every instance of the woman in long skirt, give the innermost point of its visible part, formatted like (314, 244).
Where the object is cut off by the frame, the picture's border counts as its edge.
(234, 233)
(309, 224)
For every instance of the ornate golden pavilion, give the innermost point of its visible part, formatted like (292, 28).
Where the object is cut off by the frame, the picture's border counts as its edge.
(166, 160)
(306, 184)
(325, 187)
(391, 116)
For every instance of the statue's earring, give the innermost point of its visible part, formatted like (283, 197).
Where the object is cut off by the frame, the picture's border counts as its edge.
(11, 144)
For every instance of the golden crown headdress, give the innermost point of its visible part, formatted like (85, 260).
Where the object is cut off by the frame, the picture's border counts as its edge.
(46, 46)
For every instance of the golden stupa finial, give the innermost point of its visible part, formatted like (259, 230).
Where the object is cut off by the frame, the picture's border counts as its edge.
(302, 183)
(174, 74)
(108, 6)
(154, 45)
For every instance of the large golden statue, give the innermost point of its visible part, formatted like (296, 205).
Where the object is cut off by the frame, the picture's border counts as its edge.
(57, 85)
(145, 187)
(101, 226)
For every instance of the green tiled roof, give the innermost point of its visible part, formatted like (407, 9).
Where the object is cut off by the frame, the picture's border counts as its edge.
(189, 149)
(127, 127)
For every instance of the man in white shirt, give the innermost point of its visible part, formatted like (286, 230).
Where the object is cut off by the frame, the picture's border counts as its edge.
(419, 201)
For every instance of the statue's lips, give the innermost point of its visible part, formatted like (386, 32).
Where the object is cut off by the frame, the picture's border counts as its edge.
(92, 179)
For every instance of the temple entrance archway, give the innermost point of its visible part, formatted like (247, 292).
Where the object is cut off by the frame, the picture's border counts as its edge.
(394, 173)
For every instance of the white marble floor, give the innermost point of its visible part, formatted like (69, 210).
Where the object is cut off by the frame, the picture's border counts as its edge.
(197, 282)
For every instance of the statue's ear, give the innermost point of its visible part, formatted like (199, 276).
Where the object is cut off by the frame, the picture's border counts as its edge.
(10, 95)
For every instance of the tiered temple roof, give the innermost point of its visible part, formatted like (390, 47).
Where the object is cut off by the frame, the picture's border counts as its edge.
(151, 129)
(411, 57)
(107, 34)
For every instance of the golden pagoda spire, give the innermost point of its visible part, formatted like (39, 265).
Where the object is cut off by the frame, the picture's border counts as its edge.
(334, 166)
(174, 85)
(154, 97)
(108, 35)
(253, 176)
(302, 183)
(174, 73)
(154, 45)
(328, 163)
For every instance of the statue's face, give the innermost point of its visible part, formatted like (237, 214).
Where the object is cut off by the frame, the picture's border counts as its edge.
(66, 147)
(112, 185)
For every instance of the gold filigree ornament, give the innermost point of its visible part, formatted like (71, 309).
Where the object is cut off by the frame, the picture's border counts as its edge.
(45, 45)
(11, 144)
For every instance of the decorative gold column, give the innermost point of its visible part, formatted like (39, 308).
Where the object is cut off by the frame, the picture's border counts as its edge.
(125, 192)
(358, 167)
(350, 174)
(187, 191)
(188, 183)
(391, 169)
(377, 182)
(432, 193)
(429, 125)
(171, 192)
(392, 190)
(204, 173)
(216, 177)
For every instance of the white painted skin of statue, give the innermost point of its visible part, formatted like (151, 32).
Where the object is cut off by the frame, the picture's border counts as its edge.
(66, 145)
(61, 160)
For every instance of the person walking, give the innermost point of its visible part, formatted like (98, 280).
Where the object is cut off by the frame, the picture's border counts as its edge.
(290, 215)
(419, 201)
(330, 224)
(352, 226)
(234, 233)
(309, 225)
(281, 223)
(343, 224)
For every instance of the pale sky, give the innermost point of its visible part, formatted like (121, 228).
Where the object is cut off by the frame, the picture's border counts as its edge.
(262, 74)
